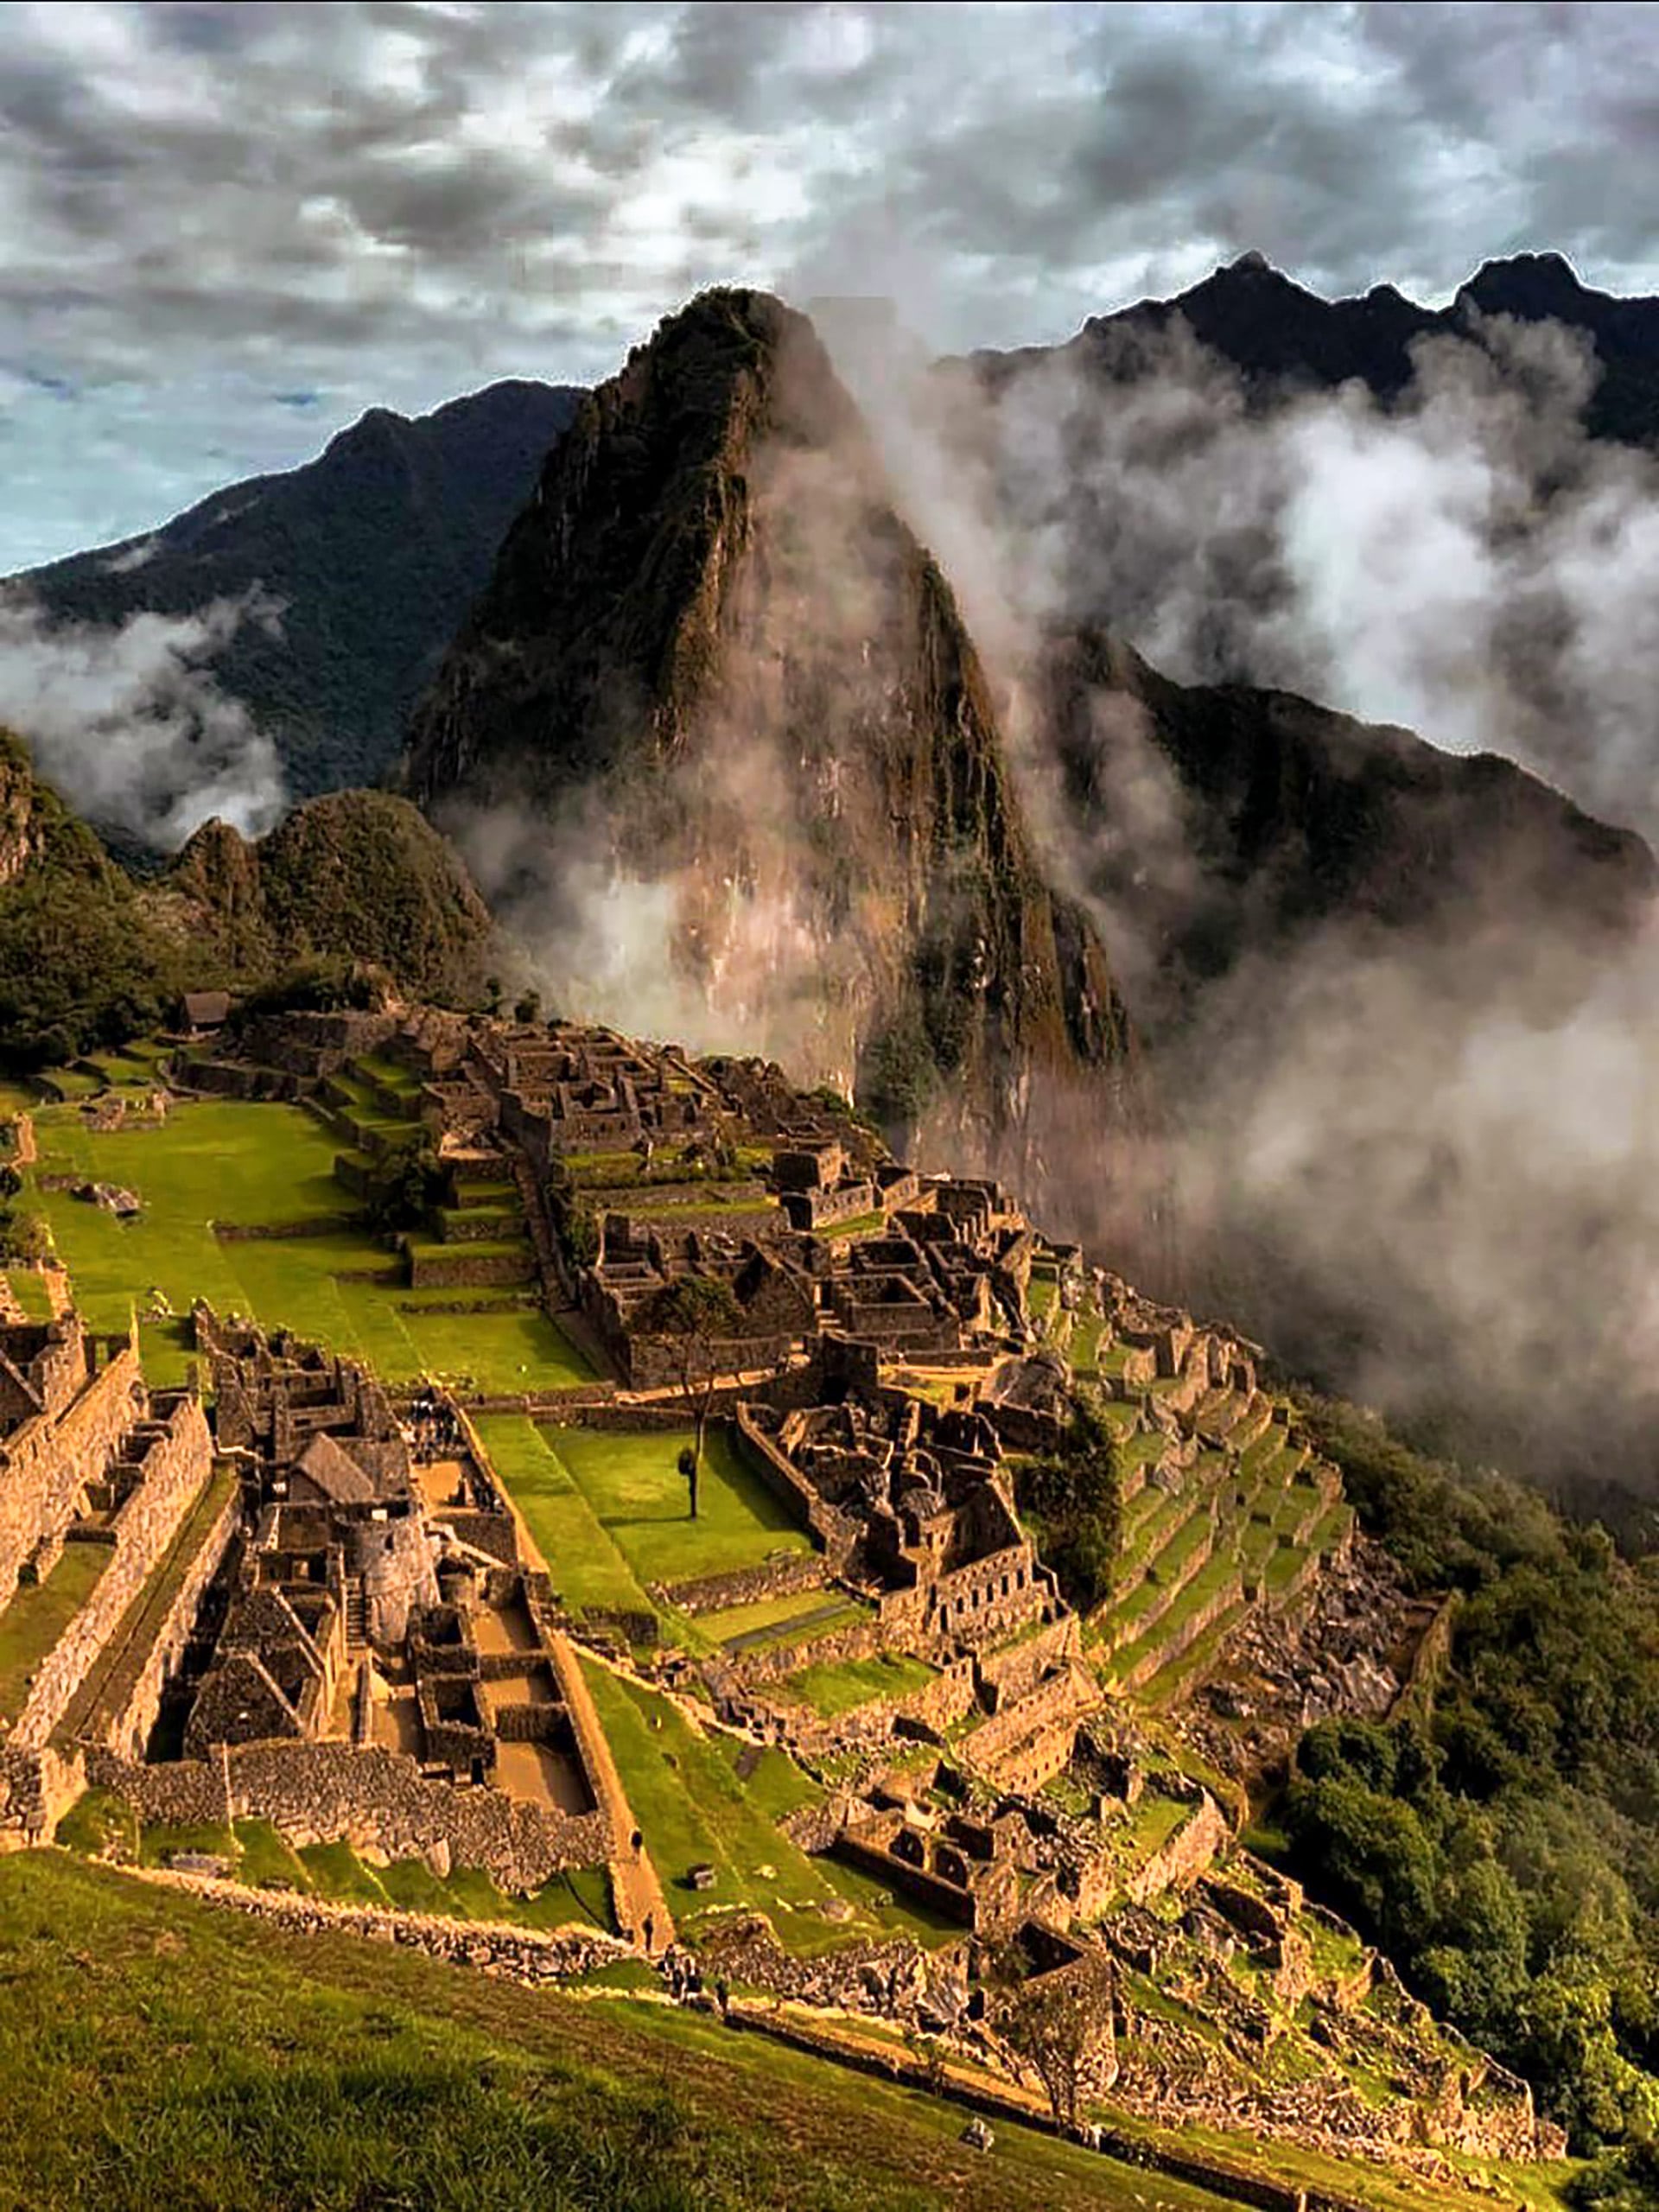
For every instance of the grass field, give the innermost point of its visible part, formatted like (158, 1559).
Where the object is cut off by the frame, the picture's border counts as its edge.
(29, 1292)
(694, 1809)
(256, 1165)
(587, 1567)
(38, 1615)
(840, 1685)
(633, 1487)
(156, 2052)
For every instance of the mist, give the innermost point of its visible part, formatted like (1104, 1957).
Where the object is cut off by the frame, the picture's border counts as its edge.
(1422, 1164)
(130, 724)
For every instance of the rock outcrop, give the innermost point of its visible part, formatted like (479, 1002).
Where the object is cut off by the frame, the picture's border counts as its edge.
(711, 641)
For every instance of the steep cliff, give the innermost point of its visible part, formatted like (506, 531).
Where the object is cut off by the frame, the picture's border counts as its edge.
(37, 829)
(713, 653)
(1276, 820)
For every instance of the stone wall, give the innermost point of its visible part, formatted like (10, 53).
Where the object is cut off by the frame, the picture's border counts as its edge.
(747, 1585)
(459, 1267)
(986, 1599)
(374, 1798)
(1180, 1640)
(175, 1467)
(36, 1789)
(1191, 1851)
(1017, 1671)
(128, 1706)
(529, 1955)
(46, 1461)
(787, 1485)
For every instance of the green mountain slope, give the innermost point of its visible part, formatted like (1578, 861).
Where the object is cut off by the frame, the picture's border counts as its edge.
(374, 550)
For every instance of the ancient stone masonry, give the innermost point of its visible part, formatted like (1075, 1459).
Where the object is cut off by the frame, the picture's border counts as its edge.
(139, 1503)
(358, 1651)
(88, 1460)
(66, 1402)
(353, 1637)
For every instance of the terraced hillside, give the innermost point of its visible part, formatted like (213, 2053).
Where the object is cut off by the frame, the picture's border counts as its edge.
(241, 1204)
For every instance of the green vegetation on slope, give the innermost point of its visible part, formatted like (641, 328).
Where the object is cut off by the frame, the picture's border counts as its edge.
(696, 1810)
(157, 2052)
(1502, 1839)
(89, 957)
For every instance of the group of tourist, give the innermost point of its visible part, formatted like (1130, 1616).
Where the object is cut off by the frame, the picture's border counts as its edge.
(437, 1430)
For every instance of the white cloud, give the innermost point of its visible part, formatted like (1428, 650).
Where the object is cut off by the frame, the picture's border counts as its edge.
(395, 203)
(130, 724)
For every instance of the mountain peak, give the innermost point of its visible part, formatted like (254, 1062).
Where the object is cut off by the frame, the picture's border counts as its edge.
(1533, 285)
(712, 636)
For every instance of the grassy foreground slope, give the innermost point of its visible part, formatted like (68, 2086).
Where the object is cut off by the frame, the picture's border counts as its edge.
(156, 2051)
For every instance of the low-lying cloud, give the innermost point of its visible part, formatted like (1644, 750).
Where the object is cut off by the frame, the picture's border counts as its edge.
(130, 725)
(1433, 1188)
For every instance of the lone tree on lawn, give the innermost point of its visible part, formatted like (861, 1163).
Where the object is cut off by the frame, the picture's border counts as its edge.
(695, 1317)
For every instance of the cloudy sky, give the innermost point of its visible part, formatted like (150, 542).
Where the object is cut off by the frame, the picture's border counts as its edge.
(225, 229)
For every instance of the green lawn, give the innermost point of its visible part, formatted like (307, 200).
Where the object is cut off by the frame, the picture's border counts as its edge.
(838, 1687)
(263, 1164)
(158, 2052)
(632, 1485)
(587, 1567)
(761, 1612)
(686, 1796)
(29, 1291)
(38, 1615)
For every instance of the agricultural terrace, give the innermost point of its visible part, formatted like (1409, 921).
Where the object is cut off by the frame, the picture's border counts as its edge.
(609, 1511)
(216, 1165)
(706, 1798)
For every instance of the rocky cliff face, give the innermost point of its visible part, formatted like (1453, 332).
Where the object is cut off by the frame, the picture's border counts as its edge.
(1275, 821)
(35, 827)
(711, 643)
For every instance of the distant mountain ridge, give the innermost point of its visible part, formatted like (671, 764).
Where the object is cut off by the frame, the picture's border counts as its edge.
(1286, 339)
(375, 551)
(1282, 337)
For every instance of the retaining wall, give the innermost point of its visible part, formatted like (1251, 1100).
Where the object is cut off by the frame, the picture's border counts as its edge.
(375, 1798)
(174, 1470)
(130, 1700)
(46, 1460)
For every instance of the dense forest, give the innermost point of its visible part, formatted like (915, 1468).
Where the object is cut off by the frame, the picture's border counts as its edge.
(1501, 1839)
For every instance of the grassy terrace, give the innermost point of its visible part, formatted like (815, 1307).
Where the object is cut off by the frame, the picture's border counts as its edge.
(261, 1858)
(29, 1292)
(634, 1490)
(587, 1567)
(331, 2073)
(252, 1164)
(683, 1786)
(38, 1615)
(840, 1685)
